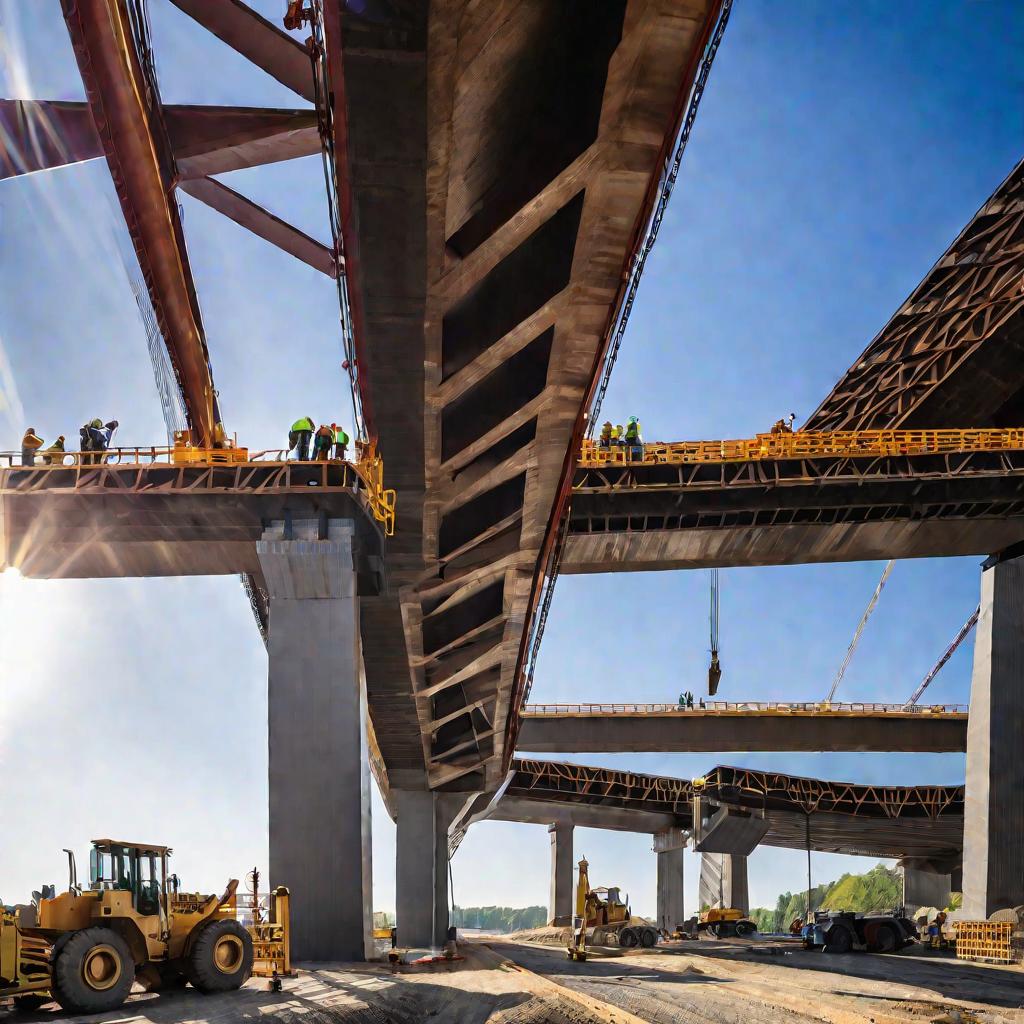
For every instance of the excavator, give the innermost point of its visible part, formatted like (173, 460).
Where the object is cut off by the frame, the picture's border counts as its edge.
(85, 947)
(604, 911)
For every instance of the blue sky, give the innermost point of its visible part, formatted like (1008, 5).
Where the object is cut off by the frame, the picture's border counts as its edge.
(839, 148)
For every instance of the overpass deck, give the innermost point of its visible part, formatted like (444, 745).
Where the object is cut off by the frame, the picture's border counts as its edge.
(839, 817)
(737, 503)
(750, 726)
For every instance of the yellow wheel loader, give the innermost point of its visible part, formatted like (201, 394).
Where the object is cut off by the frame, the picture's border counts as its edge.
(607, 915)
(725, 923)
(85, 947)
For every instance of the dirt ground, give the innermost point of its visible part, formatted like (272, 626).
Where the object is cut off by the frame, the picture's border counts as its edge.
(738, 983)
(504, 982)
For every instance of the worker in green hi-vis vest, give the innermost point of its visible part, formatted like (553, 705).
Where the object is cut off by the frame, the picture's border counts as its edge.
(299, 437)
(341, 440)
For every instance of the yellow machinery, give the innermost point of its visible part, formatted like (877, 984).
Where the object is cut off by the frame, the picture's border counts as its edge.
(185, 453)
(84, 947)
(726, 922)
(606, 914)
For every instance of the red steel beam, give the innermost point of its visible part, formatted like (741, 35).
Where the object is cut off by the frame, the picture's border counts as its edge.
(262, 222)
(350, 237)
(131, 131)
(36, 135)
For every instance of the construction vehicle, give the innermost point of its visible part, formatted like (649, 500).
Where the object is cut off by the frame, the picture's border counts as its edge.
(608, 916)
(85, 947)
(842, 931)
(726, 923)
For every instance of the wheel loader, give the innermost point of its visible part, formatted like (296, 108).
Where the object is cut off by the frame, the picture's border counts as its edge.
(85, 947)
(608, 916)
(726, 922)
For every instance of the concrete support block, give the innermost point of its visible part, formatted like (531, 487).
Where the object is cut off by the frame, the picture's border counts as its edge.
(730, 831)
(993, 865)
(421, 880)
(723, 881)
(670, 889)
(560, 898)
(318, 768)
(924, 889)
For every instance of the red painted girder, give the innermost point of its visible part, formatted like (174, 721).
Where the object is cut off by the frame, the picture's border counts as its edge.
(131, 135)
(37, 135)
(350, 237)
(263, 223)
(261, 41)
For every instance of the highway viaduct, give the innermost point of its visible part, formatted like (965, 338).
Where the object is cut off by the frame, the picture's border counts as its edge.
(483, 286)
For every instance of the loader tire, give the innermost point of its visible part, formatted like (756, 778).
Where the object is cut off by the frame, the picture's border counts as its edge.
(93, 971)
(221, 957)
(628, 938)
(744, 929)
(648, 938)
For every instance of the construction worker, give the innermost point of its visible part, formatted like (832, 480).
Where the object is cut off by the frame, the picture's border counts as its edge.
(616, 438)
(605, 438)
(54, 455)
(340, 441)
(633, 439)
(99, 434)
(784, 426)
(30, 444)
(299, 437)
(323, 441)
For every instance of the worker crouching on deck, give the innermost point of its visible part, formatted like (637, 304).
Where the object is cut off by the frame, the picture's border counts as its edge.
(323, 443)
(299, 437)
(30, 444)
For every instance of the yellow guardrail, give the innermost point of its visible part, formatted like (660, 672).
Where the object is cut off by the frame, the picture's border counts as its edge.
(368, 466)
(745, 708)
(803, 444)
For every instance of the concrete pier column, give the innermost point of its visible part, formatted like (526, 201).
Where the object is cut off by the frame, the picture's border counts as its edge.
(723, 881)
(560, 898)
(318, 767)
(670, 888)
(421, 879)
(924, 889)
(993, 865)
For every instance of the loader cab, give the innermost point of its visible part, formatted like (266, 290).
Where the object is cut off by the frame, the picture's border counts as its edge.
(131, 867)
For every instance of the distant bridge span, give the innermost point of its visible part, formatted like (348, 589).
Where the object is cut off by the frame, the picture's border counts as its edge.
(817, 727)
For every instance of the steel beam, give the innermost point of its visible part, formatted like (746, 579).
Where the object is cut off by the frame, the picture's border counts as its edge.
(36, 135)
(255, 38)
(128, 120)
(261, 222)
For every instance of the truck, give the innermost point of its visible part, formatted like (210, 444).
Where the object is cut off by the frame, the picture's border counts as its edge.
(840, 931)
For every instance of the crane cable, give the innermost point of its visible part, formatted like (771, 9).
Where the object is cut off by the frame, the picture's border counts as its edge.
(860, 629)
(715, 668)
(965, 630)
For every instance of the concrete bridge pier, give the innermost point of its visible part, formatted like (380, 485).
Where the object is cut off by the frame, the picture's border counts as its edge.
(723, 881)
(993, 871)
(925, 889)
(421, 868)
(670, 847)
(560, 898)
(319, 774)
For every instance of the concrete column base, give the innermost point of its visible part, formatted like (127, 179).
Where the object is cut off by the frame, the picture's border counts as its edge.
(993, 864)
(560, 897)
(670, 889)
(924, 889)
(421, 880)
(723, 881)
(319, 780)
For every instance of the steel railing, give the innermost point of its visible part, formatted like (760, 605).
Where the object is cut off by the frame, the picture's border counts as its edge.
(368, 466)
(803, 444)
(745, 707)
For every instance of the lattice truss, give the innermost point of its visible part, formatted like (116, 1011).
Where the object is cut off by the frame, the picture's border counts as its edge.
(966, 298)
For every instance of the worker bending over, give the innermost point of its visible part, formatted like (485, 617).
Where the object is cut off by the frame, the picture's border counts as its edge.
(299, 437)
(323, 442)
(54, 455)
(95, 437)
(30, 444)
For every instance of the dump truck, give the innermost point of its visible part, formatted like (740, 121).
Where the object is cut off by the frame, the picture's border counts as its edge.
(85, 947)
(608, 916)
(843, 931)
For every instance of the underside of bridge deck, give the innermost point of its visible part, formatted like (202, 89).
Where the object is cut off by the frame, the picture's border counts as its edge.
(776, 512)
(501, 161)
